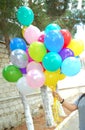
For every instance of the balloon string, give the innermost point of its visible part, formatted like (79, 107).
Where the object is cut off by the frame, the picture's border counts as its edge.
(56, 110)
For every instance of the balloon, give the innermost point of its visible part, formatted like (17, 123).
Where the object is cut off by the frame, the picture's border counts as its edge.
(51, 79)
(54, 41)
(17, 43)
(71, 66)
(11, 73)
(31, 34)
(23, 70)
(23, 87)
(41, 38)
(66, 52)
(77, 46)
(35, 78)
(52, 61)
(29, 58)
(23, 30)
(37, 51)
(19, 58)
(51, 27)
(25, 15)
(34, 65)
(61, 76)
(67, 37)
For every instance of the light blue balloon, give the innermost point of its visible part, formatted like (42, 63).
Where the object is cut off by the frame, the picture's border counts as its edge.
(54, 41)
(51, 27)
(17, 43)
(25, 15)
(71, 66)
(52, 61)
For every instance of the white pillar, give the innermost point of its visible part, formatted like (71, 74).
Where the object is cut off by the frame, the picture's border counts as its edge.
(47, 107)
(29, 121)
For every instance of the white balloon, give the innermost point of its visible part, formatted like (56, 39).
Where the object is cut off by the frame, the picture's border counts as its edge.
(23, 87)
(19, 58)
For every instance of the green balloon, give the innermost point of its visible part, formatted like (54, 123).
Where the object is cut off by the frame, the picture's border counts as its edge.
(37, 51)
(11, 73)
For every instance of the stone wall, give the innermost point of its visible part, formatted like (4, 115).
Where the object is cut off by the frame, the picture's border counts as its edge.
(11, 107)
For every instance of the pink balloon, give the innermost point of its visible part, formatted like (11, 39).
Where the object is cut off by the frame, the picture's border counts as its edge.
(41, 38)
(30, 59)
(31, 34)
(35, 78)
(34, 65)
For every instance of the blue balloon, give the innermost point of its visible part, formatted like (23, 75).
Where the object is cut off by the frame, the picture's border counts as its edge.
(54, 41)
(52, 61)
(17, 43)
(51, 27)
(25, 15)
(71, 66)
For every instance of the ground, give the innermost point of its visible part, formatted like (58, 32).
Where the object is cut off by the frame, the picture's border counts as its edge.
(39, 122)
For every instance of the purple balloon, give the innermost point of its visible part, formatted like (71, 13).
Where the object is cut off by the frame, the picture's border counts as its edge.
(23, 70)
(66, 52)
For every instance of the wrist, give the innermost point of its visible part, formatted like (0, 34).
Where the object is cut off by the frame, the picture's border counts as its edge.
(62, 101)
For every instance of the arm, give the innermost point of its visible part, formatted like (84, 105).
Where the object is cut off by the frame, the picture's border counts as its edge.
(69, 106)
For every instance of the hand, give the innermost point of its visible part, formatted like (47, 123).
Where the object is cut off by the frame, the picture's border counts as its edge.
(55, 94)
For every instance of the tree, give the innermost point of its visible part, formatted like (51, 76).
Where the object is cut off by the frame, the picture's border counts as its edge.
(47, 107)
(41, 19)
(67, 14)
(56, 7)
(9, 26)
(29, 121)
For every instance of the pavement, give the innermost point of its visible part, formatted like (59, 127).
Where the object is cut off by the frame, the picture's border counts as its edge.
(70, 123)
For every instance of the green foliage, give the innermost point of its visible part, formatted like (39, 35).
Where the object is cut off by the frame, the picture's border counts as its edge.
(56, 7)
(8, 22)
(63, 16)
(45, 12)
(41, 19)
(71, 18)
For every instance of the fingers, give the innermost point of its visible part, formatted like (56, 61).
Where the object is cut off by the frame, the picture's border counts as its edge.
(54, 93)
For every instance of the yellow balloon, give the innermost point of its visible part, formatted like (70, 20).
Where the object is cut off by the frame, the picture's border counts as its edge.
(61, 76)
(77, 46)
(58, 71)
(51, 79)
(23, 30)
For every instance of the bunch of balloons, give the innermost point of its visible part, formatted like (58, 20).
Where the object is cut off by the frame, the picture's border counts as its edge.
(42, 58)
